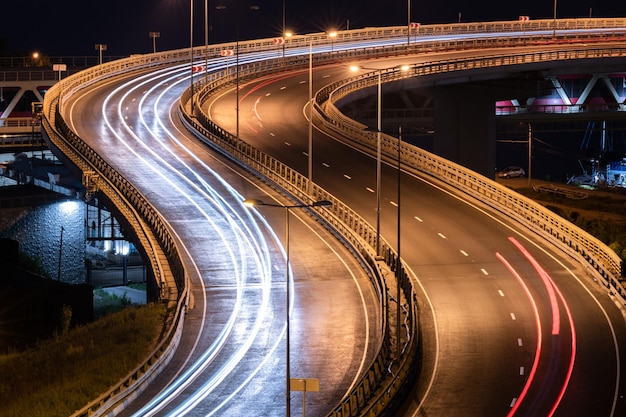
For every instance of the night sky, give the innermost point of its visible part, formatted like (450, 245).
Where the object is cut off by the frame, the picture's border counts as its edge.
(72, 27)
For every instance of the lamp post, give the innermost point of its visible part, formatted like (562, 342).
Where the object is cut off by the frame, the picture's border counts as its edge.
(249, 202)
(191, 51)
(355, 68)
(530, 153)
(310, 171)
(206, 41)
(237, 11)
(332, 35)
(399, 260)
(378, 141)
(554, 21)
(100, 47)
(154, 35)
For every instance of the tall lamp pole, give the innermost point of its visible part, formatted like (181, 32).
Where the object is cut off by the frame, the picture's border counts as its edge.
(206, 41)
(530, 153)
(310, 115)
(554, 21)
(100, 47)
(399, 260)
(250, 202)
(408, 23)
(378, 140)
(191, 50)
(154, 35)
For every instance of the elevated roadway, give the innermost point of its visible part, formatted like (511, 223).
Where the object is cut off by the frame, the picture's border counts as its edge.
(506, 317)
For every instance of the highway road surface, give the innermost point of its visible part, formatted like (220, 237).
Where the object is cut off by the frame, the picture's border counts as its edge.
(511, 326)
(232, 358)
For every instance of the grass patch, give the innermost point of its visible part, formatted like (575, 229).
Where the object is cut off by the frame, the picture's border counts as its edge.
(61, 375)
(602, 216)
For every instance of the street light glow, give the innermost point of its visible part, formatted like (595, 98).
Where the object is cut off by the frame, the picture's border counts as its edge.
(251, 202)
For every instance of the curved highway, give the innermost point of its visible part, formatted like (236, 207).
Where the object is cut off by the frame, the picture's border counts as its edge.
(233, 355)
(511, 326)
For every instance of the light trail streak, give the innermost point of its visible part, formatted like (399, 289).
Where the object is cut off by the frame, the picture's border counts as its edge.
(213, 199)
(551, 286)
(210, 353)
(533, 370)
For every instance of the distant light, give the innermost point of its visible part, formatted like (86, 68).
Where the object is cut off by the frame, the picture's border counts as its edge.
(332, 34)
(123, 248)
(69, 207)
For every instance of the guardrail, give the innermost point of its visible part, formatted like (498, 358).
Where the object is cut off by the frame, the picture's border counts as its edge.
(452, 174)
(151, 234)
(18, 125)
(573, 240)
(377, 389)
(136, 209)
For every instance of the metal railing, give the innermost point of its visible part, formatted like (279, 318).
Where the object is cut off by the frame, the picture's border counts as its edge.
(155, 237)
(578, 243)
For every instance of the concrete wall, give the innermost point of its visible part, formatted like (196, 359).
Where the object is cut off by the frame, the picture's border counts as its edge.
(38, 231)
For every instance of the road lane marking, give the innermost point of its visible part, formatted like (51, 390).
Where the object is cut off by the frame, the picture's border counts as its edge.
(484, 271)
(464, 253)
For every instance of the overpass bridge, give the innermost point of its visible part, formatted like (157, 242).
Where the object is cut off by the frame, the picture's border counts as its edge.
(100, 177)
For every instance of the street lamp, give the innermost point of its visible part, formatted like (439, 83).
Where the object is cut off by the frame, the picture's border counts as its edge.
(237, 12)
(100, 47)
(332, 35)
(191, 51)
(154, 35)
(250, 202)
(379, 71)
(554, 21)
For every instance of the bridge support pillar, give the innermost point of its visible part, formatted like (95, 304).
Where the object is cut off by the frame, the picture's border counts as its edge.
(465, 127)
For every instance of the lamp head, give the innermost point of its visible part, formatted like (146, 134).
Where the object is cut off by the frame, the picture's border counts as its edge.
(251, 202)
(322, 203)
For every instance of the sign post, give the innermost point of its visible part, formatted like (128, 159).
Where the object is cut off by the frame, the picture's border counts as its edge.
(304, 385)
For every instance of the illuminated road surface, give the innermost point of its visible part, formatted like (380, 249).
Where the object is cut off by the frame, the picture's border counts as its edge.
(232, 358)
(511, 327)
